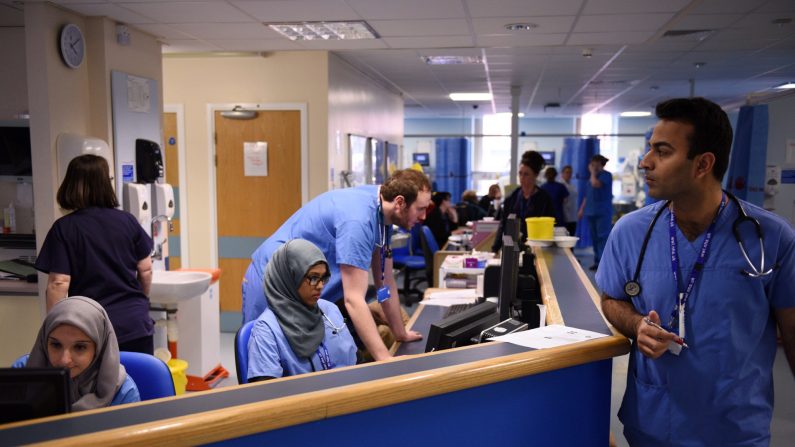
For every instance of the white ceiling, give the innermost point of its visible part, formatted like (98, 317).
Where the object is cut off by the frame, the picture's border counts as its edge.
(632, 65)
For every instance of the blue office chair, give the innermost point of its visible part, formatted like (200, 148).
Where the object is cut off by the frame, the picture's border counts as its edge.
(408, 262)
(151, 375)
(429, 247)
(241, 351)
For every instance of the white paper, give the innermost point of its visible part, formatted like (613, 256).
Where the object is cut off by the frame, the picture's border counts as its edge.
(451, 298)
(255, 159)
(138, 94)
(549, 337)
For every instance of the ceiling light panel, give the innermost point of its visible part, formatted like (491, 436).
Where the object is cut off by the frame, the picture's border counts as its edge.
(470, 96)
(353, 30)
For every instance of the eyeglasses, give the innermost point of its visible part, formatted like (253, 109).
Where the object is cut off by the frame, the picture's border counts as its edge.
(313, 280)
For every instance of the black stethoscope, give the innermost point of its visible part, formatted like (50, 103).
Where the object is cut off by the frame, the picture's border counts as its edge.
(632, 287)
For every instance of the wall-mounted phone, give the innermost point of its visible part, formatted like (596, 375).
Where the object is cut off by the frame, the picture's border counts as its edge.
(148, 161)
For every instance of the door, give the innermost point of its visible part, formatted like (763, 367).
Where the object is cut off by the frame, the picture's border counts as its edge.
(171, 152)
(251, 208)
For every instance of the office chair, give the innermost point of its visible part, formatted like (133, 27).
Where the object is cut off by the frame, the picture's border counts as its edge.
(429, 247)
(150, 374)
(407, 263)
(241, 351)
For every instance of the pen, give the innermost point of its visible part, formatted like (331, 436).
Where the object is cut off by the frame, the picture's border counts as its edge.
(678, 340)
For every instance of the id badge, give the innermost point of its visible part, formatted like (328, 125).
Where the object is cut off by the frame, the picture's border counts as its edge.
(674, 348)
(383, 294)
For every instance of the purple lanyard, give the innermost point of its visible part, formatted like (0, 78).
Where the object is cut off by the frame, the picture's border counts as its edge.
(325, 357)
(697, 267)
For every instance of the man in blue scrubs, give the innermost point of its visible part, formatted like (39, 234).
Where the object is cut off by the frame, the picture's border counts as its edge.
(704, 332)
(597, 206)
(352, 227)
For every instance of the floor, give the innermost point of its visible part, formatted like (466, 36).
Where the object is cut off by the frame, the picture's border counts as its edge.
(782, 428)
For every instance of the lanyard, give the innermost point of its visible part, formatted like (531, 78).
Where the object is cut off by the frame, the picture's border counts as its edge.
(681, 301)
(385, 232)
(325, 357)
(523, 203)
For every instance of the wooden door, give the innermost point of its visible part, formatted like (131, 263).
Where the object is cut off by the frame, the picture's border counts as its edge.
(171, 152)
(251, 208)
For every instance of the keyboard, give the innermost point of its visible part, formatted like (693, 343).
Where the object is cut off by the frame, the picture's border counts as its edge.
(457, 309)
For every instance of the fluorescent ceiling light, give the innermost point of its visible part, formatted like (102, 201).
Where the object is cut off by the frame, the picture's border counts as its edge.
(451, 60)
(324, 30)
(634, 114)
(786, 86)
(521, 114)
(470, 96)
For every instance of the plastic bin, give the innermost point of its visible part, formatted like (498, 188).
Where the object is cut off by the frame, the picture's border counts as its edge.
(178, 368)
(540, 228)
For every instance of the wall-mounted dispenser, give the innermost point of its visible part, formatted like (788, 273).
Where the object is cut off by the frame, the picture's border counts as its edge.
(148, 161)
(163, 199)
(69, 146)
(136, 202)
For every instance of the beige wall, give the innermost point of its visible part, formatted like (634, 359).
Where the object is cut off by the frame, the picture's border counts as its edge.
(13, 85)
(283, 77)
(358, 105)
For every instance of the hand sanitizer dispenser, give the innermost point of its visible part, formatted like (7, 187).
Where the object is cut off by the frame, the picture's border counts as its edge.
(163, 198)
(148, 161)
(136, 202)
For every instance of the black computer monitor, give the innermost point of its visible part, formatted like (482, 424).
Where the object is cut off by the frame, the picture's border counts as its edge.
(509, 269)
(459, 329)
(423, 158)
(27, 393)
(512, 226)
(549, 157)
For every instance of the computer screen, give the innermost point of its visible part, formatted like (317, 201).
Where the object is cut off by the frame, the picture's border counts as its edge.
(549, 157)
(423, 158)
(509, 270)
(27, 393)
(15, 155)
(512, 227)
(459, 329)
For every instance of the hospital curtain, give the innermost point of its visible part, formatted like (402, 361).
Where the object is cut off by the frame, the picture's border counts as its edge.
(453, 166)
(746, 176)
(577, 152)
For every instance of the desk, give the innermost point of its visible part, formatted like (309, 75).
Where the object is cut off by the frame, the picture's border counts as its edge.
(488, 394)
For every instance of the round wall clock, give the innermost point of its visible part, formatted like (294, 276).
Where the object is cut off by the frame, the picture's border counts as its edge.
(73, 46)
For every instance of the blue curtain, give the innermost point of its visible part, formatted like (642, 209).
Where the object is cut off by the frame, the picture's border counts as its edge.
(577, 152)
(453, 166)
(746, 176)
(379, 166)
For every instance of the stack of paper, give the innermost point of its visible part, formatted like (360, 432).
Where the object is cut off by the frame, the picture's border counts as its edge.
(452, 297)
(549, 336)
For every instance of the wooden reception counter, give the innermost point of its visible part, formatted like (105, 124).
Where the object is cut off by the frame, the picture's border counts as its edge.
(478, 395)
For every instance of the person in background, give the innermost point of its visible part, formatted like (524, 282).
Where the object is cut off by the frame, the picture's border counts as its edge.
(557, 192)
(696, 288)
(443, 218)
(353, 229)
(78, 335)
(597, 206)
(526, 201)
(570, 204)
(100, 251)
(298, 332)
(469, 210)
(491, 201)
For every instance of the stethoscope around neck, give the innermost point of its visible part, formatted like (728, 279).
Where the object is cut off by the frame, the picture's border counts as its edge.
(632, 287)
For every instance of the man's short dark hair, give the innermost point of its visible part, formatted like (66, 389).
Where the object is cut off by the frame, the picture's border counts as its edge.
(712, 131)
(407, 183)
(601, 159)
(440, 196)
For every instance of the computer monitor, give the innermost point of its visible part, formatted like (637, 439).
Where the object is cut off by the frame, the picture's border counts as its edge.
(509, 270)
(549, 157)
(27, 393)
(512, 226)
(423, 158)
(459, 329)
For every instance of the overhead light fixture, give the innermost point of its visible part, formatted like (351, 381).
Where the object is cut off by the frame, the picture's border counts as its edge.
(452, 60)
(351, 30)
(239, 113)
(634, 114)
(520, 26)
(521, 114)
(470, 96)
(786, 86)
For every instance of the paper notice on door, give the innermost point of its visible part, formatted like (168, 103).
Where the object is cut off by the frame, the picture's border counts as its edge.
(255, 159)
(549, 336)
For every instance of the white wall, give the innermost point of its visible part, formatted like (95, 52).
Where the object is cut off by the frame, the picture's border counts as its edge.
(781, 129)
(357, 105)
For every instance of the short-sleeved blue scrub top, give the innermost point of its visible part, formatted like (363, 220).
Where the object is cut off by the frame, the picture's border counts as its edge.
(270, 354)
(342, 223)
(719, 391)
(599, 201)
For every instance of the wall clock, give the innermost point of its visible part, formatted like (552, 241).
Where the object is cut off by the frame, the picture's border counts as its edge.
(73, 45)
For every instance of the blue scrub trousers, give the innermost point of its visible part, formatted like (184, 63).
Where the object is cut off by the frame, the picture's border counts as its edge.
(600, 227)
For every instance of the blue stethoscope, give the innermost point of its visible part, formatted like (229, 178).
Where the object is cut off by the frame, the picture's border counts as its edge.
(632, 287)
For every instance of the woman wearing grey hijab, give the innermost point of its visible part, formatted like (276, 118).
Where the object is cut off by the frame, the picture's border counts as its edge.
(298, 332)
(77, 335)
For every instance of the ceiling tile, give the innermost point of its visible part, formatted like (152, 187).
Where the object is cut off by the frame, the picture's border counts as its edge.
(118, 13)
(623, 22)
(726, 6)
(705, 21)
(296, 10)
(521, 41)
(632, 6)
(625, 37)
(428, 42)
(407, 9)
(522, 8)
(161, 30)
(546, 25)
(227, 30)
(188, 46)
(415, 28)
(264, 45)
(189, 12)
(341, 44)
